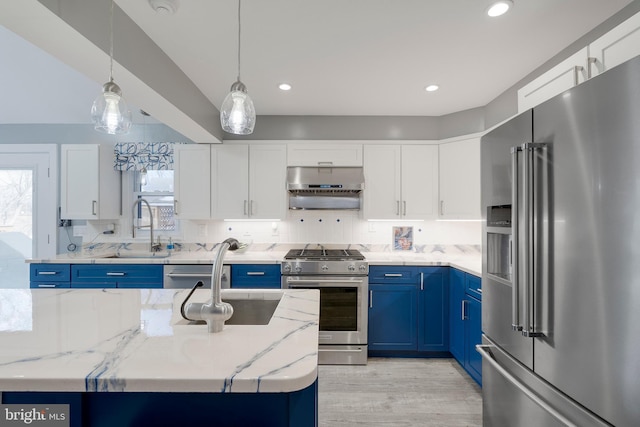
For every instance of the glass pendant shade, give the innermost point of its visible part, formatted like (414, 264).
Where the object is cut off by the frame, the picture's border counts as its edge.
(237, 114)
(109, 111)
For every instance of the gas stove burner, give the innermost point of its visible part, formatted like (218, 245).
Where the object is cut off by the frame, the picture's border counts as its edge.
(325, 254)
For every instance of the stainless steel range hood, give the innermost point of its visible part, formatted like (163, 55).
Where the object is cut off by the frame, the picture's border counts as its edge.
(325, 187)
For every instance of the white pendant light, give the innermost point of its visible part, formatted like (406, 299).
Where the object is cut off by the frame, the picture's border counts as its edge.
(109, 111)
(237, 114)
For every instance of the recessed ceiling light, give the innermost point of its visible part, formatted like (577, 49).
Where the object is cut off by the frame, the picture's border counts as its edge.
(284, 86)
(499, 8)
(164, 7)
(432, 88)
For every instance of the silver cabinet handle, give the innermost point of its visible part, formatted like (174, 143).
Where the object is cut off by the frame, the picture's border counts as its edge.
(47, 273)
(116, 274)
(515, 278)
(392, 274)
(190, 275)
(46, 285)
(370, 299)
(255, 273)
(94, 207)
(325, 163)
(404, 207)
(175, 207)
(422, 281)
(576, 74)
(244, 207)
(590, 62)
(464, 317)
(485, 352)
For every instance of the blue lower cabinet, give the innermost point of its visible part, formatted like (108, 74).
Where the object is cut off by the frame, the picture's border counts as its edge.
(98, 409)
(433, 310)
(393, 317)
(465, 321)
(473, 334)
(456, 314)
(408, 310)
(256, 276)
(116, 276)
(50, 275)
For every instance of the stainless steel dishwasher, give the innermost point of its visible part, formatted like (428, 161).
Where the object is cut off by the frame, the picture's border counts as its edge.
(184, 276)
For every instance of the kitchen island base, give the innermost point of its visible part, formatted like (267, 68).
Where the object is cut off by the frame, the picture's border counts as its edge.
(98, 409)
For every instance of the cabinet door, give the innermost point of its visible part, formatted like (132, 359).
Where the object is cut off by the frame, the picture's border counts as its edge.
(382, 194)
(267, 181)
(192, 181)
(89, 187)
(230, 181)
(324, 154)
(419, 178)
(615, 47)
(460, 179)
(473, 336)
(392, 317)
(569, 73)
(456, 314)
(433, 310)
(80, 181)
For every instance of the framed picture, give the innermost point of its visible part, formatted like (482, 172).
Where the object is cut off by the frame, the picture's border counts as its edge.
(402, 238)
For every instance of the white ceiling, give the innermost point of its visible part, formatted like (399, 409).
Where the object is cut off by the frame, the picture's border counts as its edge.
(355, 57)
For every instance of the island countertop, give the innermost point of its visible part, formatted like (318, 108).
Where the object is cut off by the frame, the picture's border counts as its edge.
(134, 340)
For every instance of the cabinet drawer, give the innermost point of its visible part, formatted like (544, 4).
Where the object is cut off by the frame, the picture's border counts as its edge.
(108, 273)
(473, 286)
(50, 272)
(394, 274)
(255, 276)
(50, 285)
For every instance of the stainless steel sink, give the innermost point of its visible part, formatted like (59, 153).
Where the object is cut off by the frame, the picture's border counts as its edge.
(245, 312)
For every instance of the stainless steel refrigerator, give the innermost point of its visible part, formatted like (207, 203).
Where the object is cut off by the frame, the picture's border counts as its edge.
(561, 259)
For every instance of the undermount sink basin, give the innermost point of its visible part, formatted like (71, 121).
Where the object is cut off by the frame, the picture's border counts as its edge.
(245, 312)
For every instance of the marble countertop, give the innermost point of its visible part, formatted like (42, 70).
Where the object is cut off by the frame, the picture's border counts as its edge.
(465, 257)
(134, 340)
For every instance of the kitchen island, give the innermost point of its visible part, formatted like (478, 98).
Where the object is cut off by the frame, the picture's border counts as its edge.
(126, 357)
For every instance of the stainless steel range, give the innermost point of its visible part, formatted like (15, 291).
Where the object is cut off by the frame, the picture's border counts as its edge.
(341, 275)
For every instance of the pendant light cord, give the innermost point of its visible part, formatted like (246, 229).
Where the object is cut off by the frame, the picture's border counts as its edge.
(239, 1)
(111, 43)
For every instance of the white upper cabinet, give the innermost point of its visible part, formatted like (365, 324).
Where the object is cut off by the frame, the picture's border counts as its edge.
(615, 47)
(401, 181)
(460, 179)
(324, 154)
(192, 191)
(248, 181)
(89, 186)
(567, 74)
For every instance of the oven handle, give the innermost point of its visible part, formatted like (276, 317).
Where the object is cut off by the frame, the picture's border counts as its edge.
(337, 282)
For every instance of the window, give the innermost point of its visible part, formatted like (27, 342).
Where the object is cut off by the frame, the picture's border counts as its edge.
(156, 187)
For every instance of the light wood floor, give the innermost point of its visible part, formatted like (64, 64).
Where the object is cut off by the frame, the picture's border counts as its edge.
(399, 393)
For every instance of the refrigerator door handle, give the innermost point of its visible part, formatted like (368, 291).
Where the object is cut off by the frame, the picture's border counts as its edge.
(485, 352)
(515, 271)
(528, 299)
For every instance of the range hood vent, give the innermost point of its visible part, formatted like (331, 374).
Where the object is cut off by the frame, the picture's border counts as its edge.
(325, 187)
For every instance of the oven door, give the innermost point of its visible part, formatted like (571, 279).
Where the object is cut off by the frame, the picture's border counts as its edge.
(343, 306)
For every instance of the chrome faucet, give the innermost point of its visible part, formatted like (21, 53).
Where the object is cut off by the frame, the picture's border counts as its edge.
(152, 247)
(214, 312)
